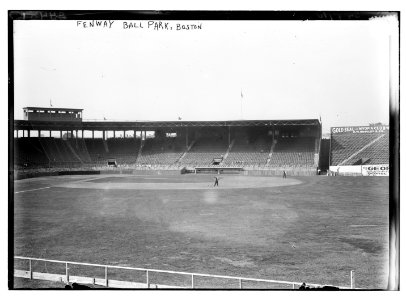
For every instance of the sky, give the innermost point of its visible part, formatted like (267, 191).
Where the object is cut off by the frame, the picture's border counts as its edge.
(227, 70)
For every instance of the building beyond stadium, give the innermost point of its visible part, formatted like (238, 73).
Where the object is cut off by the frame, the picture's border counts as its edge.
(360, 150)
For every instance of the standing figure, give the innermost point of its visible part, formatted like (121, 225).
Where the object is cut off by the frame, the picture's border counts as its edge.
(216, 181)
(284, 174)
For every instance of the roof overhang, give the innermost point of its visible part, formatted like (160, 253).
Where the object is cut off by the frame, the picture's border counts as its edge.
(151, 125)
(53, 108)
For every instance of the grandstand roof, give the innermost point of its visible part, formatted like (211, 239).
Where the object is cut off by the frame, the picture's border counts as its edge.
(149, 125)
(52, 108)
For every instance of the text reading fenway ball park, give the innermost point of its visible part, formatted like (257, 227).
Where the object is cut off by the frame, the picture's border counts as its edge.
(149, 25)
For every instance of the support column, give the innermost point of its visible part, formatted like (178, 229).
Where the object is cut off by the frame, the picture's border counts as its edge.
(104, 135)
(39, 133)
(135, 134)
(60, 133)
(50, 133)
(229, 137)
(29, 133)
(83, 134)
(114, 134)
(71, 134)
(17, 133)
(92, 134)
(23, 133)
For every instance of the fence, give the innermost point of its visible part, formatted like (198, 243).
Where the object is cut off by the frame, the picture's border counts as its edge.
(67, 277)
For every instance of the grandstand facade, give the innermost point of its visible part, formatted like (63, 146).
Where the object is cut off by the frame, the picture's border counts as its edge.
(250, 144)
(362, 150)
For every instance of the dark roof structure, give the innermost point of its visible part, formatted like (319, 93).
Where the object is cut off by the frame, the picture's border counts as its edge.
(53, 108)
(151, 125)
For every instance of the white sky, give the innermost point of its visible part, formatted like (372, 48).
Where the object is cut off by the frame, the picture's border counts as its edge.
(285, 69)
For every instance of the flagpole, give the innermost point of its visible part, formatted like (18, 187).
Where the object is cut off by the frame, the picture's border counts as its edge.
(241, 104)
(241, 109)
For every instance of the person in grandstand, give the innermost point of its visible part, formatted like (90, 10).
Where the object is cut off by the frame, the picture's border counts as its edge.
(284, 174)
(216, 181)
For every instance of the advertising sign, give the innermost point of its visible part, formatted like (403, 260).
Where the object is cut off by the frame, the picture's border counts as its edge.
(375, 170)
(360, 129)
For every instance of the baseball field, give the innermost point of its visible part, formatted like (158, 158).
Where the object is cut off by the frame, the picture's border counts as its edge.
(306, 229)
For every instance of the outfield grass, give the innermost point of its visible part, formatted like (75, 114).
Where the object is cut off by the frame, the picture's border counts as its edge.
(316, 231)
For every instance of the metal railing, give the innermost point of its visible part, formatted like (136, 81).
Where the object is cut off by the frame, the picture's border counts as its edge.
(240, 280)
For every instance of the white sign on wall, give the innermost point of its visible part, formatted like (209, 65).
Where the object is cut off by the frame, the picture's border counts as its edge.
(375, 170)
(360, 129)
(365, 170)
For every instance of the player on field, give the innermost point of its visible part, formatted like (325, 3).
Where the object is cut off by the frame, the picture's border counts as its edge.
(284, 174)
(216, 181)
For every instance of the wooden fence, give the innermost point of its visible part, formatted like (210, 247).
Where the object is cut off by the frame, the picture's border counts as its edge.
(147, 283)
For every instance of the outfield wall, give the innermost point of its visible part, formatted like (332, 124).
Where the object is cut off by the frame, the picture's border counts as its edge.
(19, 176)
(360, 170)
(279, 172)
(46, 172)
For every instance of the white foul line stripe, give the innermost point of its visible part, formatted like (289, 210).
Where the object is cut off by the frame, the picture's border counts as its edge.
(47, 187)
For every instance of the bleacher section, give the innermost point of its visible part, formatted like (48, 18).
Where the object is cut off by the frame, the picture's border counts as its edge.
(29, 151)
(42, 151)
(165, 151)
(96, 150)
(79, 146)
(125, 151)
(204, 150)
(245, 152)
(52, 151)
(343, 146)
(293, 152)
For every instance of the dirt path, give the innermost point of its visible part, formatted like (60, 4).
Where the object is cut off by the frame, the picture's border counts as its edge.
(225, 182)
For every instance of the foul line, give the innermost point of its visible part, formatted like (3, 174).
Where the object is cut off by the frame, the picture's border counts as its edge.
(47, 187)
(367, 225)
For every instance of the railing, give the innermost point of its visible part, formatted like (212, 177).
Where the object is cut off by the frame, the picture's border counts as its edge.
(125, 284)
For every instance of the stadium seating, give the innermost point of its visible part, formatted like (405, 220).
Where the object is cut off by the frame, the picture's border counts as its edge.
(79, 146)
(298, 152)
(169, 153)
(165, 151)
(29, 151)
(96, 150)
(44, 152)
(343, 146)
(55, 151)
(377, 153)
(124, 150)
(245, 152)
(204, 151)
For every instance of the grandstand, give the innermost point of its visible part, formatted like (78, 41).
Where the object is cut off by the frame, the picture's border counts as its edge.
(204, 151)
(358, 146)
(249, 149)
(294, 152)
(252, 144)
(165, 151)
(260, 144)
(29, 150)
